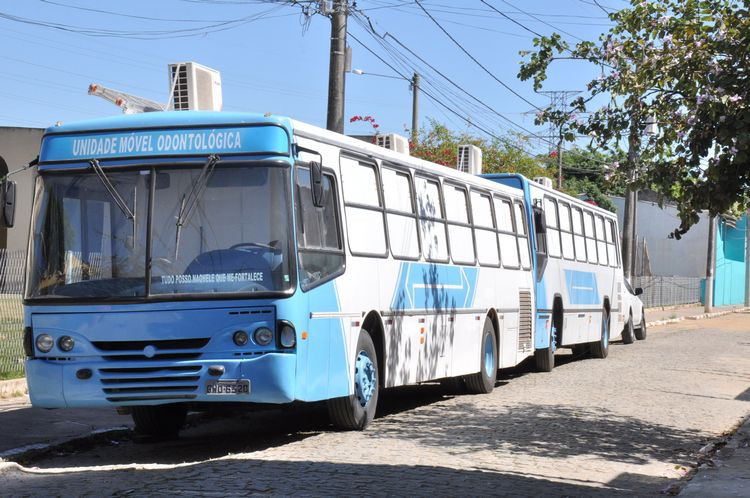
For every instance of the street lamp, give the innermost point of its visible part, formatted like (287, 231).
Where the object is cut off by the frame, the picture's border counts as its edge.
(414, 99)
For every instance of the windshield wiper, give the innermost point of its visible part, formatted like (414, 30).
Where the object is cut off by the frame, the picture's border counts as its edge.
(112, 190)
(190, 201)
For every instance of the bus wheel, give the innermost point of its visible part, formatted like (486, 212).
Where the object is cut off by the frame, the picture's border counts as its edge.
(544, 359)
(356, 411)
(628, 333)
(640, 332)
(600, 348)
(483, 382)
(160, 421)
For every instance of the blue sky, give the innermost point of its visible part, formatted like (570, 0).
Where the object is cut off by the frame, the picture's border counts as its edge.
(273, 59)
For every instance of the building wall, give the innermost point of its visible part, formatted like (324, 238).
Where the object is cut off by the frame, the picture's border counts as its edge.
(18, 146)
(729, 279)
(669, 257)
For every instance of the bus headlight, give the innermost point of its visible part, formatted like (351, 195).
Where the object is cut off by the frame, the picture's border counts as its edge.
(66, 343)
(44, 343)
(240, 338)
(263, 336)
(287, 337)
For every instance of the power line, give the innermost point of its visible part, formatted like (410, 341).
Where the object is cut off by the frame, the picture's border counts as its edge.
(543, 22)
(475, 59)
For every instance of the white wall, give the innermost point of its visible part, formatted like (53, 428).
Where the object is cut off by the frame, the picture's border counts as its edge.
(685, 257)
(18, 146)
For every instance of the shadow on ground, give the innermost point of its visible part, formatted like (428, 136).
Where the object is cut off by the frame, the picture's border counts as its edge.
(272, 477)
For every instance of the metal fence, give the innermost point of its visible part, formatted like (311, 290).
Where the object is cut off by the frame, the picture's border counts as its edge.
(668, 291)
(11, 314)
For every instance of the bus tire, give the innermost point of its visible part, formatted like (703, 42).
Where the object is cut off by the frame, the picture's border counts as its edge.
(544, 359)
(356, 411)
(600, 348)
(640, 332)
(160, 421)
(628, 332)
(483, 382)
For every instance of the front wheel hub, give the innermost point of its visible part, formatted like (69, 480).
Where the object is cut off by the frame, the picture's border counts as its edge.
(365, 378)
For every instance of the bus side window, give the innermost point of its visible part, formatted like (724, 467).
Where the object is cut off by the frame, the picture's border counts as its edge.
(600, 240)
(402, 220)
(321, 253)
(431, 220)
(484, 229)
(611, 245)
(459, 230)
(365, 217)
(553, 227)
(566, 232)
(523, 239)
(580, 241)
(506, 234)
(588, 226)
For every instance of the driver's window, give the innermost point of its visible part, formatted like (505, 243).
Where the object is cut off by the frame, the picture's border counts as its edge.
(321, 254)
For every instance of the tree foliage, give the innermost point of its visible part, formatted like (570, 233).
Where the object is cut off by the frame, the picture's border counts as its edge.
(439, 144)
(684, 65)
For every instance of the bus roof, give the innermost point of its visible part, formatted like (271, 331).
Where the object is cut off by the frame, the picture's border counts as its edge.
(556, 193)
(313, 132)
(167, 119)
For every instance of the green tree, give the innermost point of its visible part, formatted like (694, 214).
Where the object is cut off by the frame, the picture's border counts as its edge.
(684, 65)
(588, 173)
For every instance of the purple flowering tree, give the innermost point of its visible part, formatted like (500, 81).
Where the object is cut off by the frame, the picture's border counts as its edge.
(684, 64)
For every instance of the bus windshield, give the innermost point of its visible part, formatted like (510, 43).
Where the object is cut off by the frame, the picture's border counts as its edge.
(225, 230)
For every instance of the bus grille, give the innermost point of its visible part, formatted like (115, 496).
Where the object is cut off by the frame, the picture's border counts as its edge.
(178, 382)
(171, 349)
(524, 321)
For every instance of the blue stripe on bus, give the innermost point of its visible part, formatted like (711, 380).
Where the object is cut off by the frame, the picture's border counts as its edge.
(582, 288)
(433, 286)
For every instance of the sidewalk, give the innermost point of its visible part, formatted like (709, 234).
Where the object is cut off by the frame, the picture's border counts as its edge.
(728, 473)
(660, 316)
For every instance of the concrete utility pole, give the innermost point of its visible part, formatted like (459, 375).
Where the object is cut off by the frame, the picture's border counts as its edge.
(415, 108)
(747, 259)
(559, 164)
(710, 264)
(337, 67)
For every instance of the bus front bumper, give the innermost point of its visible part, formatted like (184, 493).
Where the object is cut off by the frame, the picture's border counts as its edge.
(58, 384)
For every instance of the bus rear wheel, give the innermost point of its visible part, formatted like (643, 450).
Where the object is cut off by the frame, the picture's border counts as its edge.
(483, 382)
(159, 421)
(600, 348)
(356, 411)
(628, 333)
(640, 332)
(544, 359)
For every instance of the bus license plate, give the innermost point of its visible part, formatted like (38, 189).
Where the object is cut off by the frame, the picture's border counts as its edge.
(240, 387)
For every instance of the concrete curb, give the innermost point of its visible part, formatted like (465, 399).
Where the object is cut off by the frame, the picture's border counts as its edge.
(694, 317)
(12, 388)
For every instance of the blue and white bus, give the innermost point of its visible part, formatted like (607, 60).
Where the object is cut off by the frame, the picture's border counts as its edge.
(580, 301)
(182, 259)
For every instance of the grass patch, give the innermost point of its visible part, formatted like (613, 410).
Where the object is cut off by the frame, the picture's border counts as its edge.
(11, 337)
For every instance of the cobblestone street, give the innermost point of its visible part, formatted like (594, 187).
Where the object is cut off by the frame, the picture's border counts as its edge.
(631, 424)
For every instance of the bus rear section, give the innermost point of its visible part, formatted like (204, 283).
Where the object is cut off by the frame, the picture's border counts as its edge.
(578, 271)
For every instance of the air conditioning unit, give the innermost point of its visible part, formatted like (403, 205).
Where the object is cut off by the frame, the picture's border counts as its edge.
(393, 142)
(469, 159)
(194, 87)
(543, 180)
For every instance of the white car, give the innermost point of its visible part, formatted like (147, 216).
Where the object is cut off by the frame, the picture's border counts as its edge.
(635, 324)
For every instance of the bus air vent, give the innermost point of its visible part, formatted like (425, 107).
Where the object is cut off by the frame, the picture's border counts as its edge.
(524, 321)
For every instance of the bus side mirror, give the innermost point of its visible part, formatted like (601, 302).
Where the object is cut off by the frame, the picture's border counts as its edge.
(7, 203)
(316, 184)
(638, 291)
